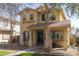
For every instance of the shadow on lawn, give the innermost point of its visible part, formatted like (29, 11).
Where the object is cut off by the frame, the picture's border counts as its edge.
(43, 54)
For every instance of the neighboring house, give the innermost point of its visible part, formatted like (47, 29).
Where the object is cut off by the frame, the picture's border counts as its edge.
(5, 29)
(45, 28)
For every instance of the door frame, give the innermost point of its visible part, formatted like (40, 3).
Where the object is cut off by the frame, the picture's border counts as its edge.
(41, 39)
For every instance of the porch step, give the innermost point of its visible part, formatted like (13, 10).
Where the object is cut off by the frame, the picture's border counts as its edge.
(58, 48)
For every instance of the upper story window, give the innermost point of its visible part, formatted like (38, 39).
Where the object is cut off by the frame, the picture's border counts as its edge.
(24, 18)
(31, 16)
(43, 17)
(52, 17)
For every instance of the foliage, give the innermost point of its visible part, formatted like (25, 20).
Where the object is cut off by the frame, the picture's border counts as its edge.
(70, 8)
(55, 11)
(9, 9)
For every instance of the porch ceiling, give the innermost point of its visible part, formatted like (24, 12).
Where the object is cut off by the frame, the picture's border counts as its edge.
(61, 24)
(37, 26)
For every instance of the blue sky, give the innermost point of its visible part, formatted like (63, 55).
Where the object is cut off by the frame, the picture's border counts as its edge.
(74, 21)
(31, 5)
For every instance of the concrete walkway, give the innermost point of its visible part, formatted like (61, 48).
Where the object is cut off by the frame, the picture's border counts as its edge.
(21, 51)
(55, 52)
(73, 51)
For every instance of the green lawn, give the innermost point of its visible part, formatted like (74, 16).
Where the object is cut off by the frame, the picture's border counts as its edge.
(32, 54)
(4, 52)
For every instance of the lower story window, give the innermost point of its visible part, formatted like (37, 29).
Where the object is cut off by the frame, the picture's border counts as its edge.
(25, 35)
(6, 36)
(57, 35)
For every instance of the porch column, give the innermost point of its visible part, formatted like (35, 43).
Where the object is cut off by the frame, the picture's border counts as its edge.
(21, 38)
(30, 38)
(47, 38)
(66, 37)
(21, 42)
(34, 38)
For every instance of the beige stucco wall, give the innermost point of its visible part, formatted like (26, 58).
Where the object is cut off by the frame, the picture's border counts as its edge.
(62, 17)
(25, 23)
(66, 37)
(37, 19)
(65, 42)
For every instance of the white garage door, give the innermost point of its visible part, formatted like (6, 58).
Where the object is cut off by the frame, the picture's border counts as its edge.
(0, 37)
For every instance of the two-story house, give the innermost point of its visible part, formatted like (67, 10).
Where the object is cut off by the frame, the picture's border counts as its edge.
(5, 29)
(46, 28)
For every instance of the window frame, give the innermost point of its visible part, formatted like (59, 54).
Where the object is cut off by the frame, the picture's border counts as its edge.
(6, 36)
(24, 18)
(26, 36)
(62, 36)
(55, 37)
(43, 17)
(31, 17)
(52, 17)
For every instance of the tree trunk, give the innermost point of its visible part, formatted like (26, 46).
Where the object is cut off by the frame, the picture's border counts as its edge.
(11, 34)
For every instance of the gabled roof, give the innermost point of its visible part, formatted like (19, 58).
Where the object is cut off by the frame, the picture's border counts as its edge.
(30, 6)
(43, 9)
(25, 10)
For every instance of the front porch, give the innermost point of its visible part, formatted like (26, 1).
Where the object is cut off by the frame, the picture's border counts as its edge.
(50, 35)
(49, 38)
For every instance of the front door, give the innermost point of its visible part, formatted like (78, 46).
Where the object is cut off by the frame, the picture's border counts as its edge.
(40, 38)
